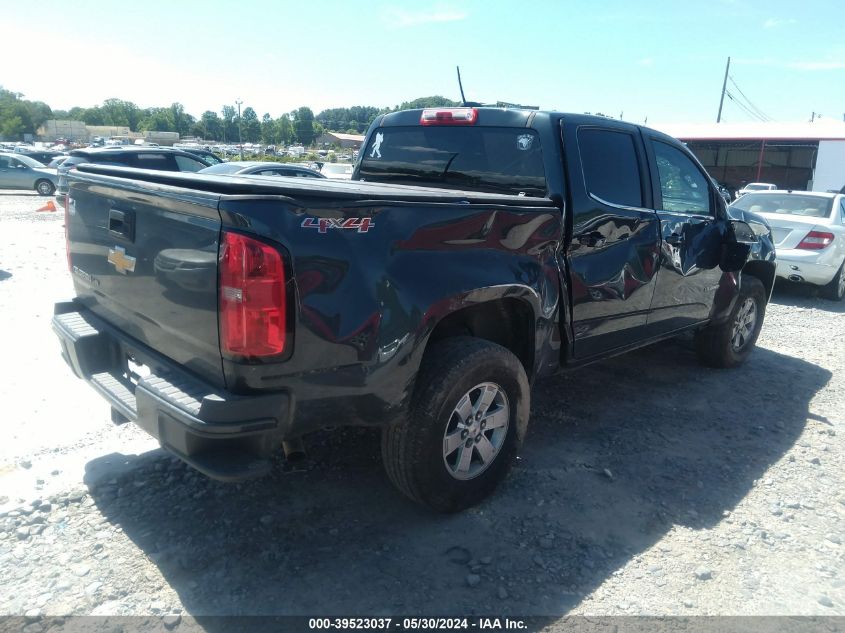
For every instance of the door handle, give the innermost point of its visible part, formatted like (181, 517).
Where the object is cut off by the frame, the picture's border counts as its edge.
(122, 223)
(593, 239)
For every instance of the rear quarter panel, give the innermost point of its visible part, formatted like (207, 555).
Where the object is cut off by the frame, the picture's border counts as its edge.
(368, 300)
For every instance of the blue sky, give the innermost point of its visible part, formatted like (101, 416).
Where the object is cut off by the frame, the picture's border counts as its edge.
(661, 60)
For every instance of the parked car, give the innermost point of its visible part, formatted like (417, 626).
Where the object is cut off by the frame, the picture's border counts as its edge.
(19, 171)
(142, 157)
(755, 186)
(45, 157)
(58, 160)
(206, 154)
(261, 168)
(424, 310)
(809, 234)
(340, 171)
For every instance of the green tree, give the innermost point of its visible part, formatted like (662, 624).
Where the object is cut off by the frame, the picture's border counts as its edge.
(303, 125)
(268, 129)
(212, 125)
(284, 130)
(15, 117)
(428, 102)
(39, 112)
(156, 120)
(93, 116)
(251, 126)
(121, 113)
(230, 124)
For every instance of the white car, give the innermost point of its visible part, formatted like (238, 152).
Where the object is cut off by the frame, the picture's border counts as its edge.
(808, 229)
(755, 186)
(341, 171)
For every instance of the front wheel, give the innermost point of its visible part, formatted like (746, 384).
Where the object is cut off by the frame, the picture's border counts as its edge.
(835, 290)
(467, 419)
(729, 344)
(45, 188)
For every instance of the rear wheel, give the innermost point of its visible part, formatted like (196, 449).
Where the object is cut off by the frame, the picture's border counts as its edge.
(468, 416)
(45, 188)
(729, 344)
(835, 290)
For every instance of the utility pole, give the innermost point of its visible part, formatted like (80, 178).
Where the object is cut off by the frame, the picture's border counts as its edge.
(240, 134)
(724, 86)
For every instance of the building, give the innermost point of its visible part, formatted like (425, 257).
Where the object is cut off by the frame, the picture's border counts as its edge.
(54, 129)
(353, 141)
(801, 156)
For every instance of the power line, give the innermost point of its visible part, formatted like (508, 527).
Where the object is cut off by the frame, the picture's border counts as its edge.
(743, 107)
(749, 102)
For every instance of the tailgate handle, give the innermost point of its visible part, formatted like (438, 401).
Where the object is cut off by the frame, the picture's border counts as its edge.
(122, 223)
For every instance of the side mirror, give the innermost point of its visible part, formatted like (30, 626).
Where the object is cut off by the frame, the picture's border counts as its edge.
(737, 246)
(743, 233)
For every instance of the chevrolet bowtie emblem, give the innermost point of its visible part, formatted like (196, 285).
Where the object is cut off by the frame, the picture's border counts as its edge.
(120, 260)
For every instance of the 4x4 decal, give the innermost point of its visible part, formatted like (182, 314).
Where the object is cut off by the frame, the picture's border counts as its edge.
(362, 225)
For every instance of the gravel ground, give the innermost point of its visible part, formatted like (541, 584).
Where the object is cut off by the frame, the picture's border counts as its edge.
(648, 485)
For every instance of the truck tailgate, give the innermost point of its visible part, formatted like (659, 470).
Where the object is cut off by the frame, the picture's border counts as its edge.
(145, 261)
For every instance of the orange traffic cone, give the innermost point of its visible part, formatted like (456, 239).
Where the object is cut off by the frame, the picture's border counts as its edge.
(48, 207)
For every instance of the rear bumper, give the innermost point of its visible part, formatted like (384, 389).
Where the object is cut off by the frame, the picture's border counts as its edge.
(223, 435)
(815, 267)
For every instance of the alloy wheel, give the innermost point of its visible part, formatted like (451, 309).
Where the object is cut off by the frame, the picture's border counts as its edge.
(476, 431)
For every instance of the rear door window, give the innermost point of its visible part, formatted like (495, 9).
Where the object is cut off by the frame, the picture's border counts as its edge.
(611, 168)
(154, 160)
(477, 158)
(186, 163)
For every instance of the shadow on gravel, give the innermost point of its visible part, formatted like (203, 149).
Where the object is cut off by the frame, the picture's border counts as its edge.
(804, 296)
(617, 454)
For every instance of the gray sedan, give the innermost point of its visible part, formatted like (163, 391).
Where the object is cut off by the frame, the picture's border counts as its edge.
(22, 172)
(260, 168)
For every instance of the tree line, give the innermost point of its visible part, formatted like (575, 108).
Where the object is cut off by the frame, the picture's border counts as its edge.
(19, 116)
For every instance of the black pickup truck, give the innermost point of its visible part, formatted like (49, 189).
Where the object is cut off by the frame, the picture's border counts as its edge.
(475, 250)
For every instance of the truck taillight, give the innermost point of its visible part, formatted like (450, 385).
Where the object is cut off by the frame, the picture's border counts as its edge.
(253, 308)
(816, 241)
(67, 232)
(449, 116)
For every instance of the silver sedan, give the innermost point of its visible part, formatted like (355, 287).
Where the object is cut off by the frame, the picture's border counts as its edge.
(808, 229)
(22, 172)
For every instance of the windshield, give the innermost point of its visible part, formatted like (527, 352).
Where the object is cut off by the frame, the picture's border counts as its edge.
(29, 162)
(758, 187)
(492, 159)
(785, 204)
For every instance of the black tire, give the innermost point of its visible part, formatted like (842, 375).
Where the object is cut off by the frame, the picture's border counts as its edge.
(45, 188)
(413, 451)
(715, 343)
(835, 290)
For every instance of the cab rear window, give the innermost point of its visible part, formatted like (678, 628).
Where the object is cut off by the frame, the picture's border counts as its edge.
(490, 159)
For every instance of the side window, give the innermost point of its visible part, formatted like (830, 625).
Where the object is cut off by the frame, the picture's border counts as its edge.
(842, 209)
(270, 172)
(4, 162)
(682, 185)
(150, 160)
(611, 169)
(188, 164)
